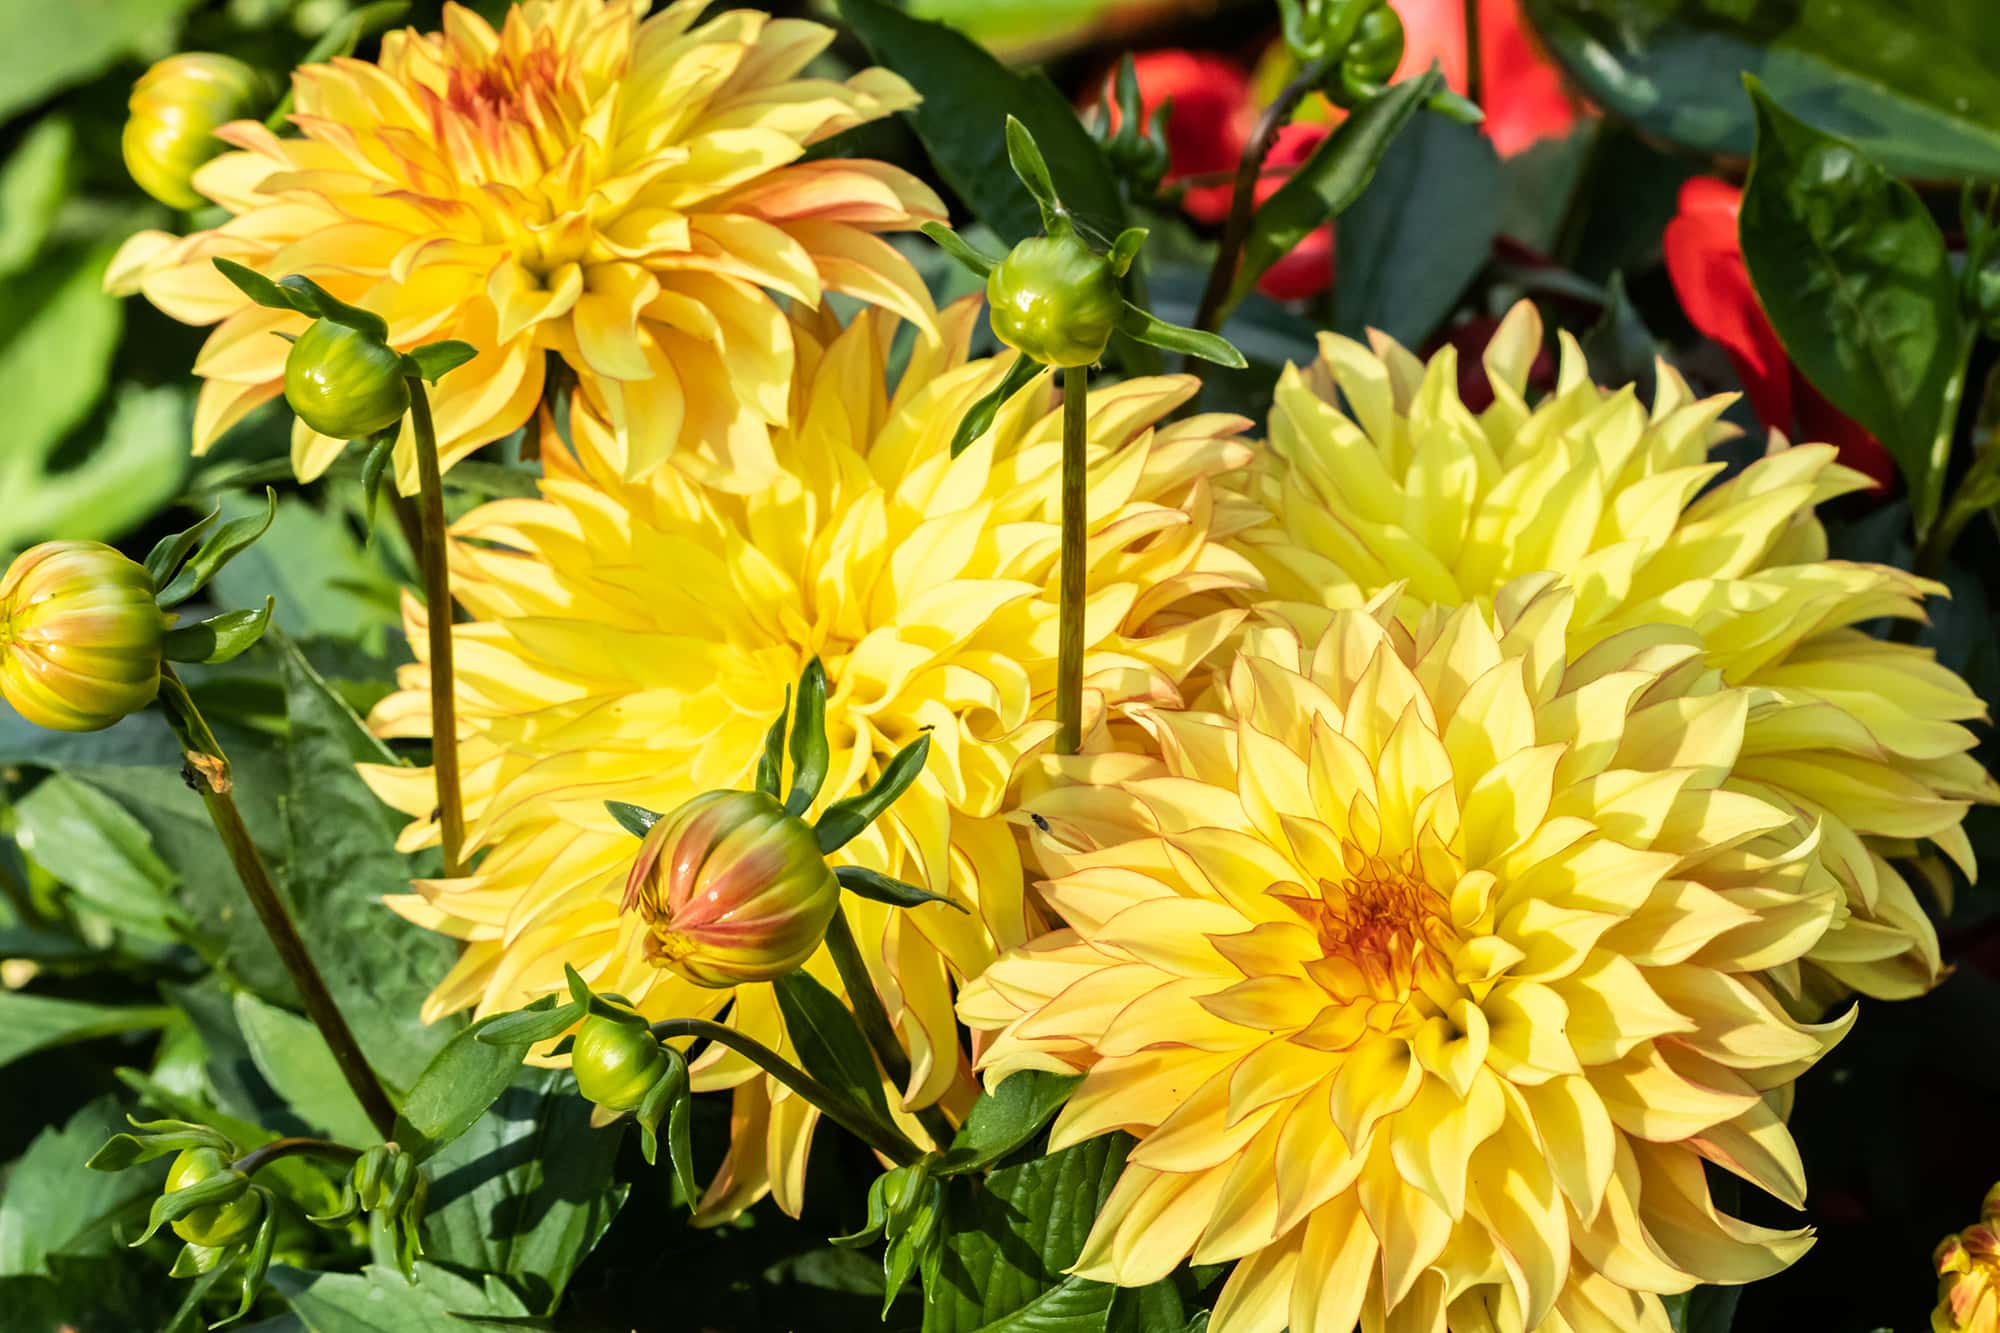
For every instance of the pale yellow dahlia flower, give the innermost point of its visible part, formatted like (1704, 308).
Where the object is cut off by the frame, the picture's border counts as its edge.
(1968, 1267)
(1407, 487)
(621, 191)
(1426, 972)
(632, 641)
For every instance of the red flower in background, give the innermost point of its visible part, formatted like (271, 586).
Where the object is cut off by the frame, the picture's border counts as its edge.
(1523, 95)
(1705, 261)
(1308, 269)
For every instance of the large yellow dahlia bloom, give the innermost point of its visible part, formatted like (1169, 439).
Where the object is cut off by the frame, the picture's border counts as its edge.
(632, 641)
(1408, 488)
(1427, 973)
(621, 191)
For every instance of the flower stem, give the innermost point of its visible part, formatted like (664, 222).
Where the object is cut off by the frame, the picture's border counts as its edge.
(874, 1021)
(1069, 644)
(251, 1162)
(207, 771)
(1215, 296)
(885, 1139)
(1977, 489)
(1474, 73)
(437, 615)
(1926, 500)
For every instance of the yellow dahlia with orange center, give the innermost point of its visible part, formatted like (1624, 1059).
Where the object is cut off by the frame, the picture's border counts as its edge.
(1426, 971)
(627, 193)
(1407, 488)
(632, 642)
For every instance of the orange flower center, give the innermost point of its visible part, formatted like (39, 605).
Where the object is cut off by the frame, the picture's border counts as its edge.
(1385, 930)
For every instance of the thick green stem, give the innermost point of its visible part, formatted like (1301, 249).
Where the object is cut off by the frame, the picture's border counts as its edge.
(207, 771)
(436, 561)
(885, 1139)
(874, 1021)
(1927, 499)
(1222, 276)
(249, 1163)
(1977, 489)
(1075, 532)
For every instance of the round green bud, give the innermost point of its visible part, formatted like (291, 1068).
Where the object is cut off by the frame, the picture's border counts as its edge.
(1372, 56)
(1055, 300)
(177, 106)
(217, 1224)
(344, 383)
(616, 1063)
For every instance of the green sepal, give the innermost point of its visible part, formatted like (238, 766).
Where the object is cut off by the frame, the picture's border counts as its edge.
(670, 1098)
(878, 887)
(220, 1188)
(809, 750)
(194, 1260)
(1150, 328)
(1026, 157)
(167, 554)
(878, 1218)
(771, 763)
(343, 1212)
(636, 820)
(537, 1021)
(433, 361)
(156, 1138)
(594, 1005)
(368, 1176)
(843, 820)
(229, 541)
(219, 638)
(1126, 249)
(964, 251)
(1455, 106)
(373, 468)
(978, 418)
(256, 1262)
(299, 293)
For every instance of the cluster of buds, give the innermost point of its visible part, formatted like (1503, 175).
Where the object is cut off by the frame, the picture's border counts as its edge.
(906, 1208)
(1134, 143)
(85, 632)
(387, 1182)
(1360, 42)
(1968, 1268)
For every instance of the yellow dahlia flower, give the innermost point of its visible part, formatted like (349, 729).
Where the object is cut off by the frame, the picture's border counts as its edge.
(1968, 1267)
(1426, 972)
(632, 641)
(1408, 488)
(624, 192)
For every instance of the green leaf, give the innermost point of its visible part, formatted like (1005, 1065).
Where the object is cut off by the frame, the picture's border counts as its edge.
(325, 581)
(1916, 83)
(456, 1087)
(219, 638)
(33, 185)
(771, 762)
(256, 286)
(229, 541)
(165, 558)
(878, 887)
(844, 819)
(1025, 156)
(380, 1300)
(30, 1023)
(968, 95)
(101, 1294)
(46, 48)
(1419, 233)
(636, 820)
(291, 1055)
(1010, 1235)
(1703, 1310)
(1854, 276)
(341, 862)
(829, 1041)
(809, 752)
(53, 1206)
(1006, 1118)
(964, 251)
(102, 854)
(1151, 329)
(526, 1191)
(979, 417)
(538, 1021)
(1331, 179)
(434, 361)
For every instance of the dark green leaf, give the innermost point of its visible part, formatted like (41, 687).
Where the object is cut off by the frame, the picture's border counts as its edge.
(1144, 1309)
(1703, 1310)
(1156, 332)
(228, 542)
(979, 417)
(381, 1300)
(53, 1206)
(219, 638)
(30, 1023)
(295, 1060)
(968, 95)
(1854, 276)
(875, 885)
(809, 752)
(34, 183)
(434, 361)
(1006, 1118)
(1331, 179)
(1419, 233)
(1915, 82)
(844, 819)
(454, 1090)
(636, 820)
(829, 1041)
(103, 856)
(101, 1294)
(964, 251)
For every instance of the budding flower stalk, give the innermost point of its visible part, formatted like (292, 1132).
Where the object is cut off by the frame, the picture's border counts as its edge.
(80, 636)
(1968, 1268)
(732, 889)
(1055, 300)
(177, 106)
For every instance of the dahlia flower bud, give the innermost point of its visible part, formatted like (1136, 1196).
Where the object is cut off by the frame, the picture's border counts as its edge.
(177, 106)
(732, 890)
(236, 1211)
(1055, 300)
(80, 636)
(1968, 1267)
(616, 1064)
(344, 383)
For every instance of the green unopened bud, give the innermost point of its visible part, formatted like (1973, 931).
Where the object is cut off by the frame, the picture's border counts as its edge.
(344, 383)
(79, 636)
(177, 106)
(213, 1225)
(1055, 300)
(616, 1063)
(1372, 56)
(732, 890)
